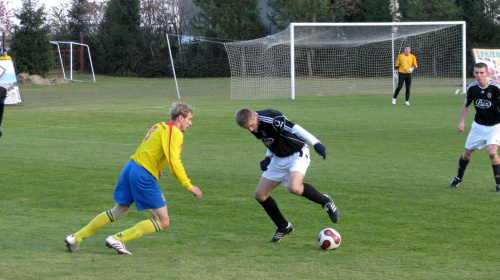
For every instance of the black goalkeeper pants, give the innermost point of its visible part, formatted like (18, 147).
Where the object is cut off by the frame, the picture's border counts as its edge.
(403, 79)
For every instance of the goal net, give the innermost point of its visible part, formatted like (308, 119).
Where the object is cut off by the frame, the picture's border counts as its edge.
(329, 59)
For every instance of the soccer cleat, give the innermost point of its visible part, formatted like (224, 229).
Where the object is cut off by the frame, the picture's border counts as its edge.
(456, 182)
(281, 232)
(332, 210)
(117, 245)
(71, 243)
(497, 189)
(407, 103)
(394, 101)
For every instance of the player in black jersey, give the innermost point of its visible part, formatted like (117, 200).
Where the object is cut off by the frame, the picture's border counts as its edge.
(286, 163)
(485, 130)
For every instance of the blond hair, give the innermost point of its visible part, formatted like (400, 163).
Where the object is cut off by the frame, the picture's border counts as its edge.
(180, 109)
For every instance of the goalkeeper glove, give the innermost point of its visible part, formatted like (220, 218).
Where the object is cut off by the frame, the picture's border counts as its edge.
(320, 149)
(265, 163)
(410, 69)
(395, 74)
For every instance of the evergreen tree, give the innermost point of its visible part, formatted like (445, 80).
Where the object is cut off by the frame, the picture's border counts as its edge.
(30, 44)
(78, 19)
(287, 11)
(482, 29)
(429, 10)
(372, 11)
(120, 39)
(229, 19)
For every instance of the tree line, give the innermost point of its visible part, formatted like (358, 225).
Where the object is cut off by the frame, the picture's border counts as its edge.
(128, 37)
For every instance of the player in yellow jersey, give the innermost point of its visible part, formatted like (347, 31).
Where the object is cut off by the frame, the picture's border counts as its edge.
(405, 64)
(138, 183)
(5, 56)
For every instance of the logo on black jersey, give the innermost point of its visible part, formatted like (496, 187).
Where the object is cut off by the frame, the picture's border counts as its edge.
(278, 124)
(482, 104)
(488, 95)
(267, 141)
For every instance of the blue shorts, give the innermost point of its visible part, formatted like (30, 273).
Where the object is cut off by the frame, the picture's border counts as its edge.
(137, 185)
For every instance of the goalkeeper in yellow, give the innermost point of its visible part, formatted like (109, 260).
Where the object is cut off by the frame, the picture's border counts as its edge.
(138, 183)
(405, 64)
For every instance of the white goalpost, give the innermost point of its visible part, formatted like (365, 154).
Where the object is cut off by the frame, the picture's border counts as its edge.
(57, 43)
(328, 59)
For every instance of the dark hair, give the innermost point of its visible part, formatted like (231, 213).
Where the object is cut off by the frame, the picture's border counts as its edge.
(242, 116)
(481, 65)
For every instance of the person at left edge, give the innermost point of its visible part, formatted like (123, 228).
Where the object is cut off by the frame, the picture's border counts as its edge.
(138, 183)
(3, 96)
(5, 56)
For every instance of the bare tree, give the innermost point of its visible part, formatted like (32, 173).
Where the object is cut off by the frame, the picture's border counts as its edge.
(60, 19)
(160, 17)
(6, 16)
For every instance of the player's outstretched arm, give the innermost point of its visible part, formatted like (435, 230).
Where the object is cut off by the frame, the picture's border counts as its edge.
(320, 149)
(196, 192)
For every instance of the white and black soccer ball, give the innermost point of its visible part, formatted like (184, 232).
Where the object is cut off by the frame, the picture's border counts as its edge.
(329, 239)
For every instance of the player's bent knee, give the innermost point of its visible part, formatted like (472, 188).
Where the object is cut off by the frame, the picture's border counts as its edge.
(164, 223)
(296, 191)
(493, 155)
(119, 213)
(259, 197)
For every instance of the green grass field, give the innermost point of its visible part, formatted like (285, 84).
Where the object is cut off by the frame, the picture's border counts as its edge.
(387, 168)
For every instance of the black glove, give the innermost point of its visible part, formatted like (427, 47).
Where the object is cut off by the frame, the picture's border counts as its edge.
(320, 149)
(265, 163)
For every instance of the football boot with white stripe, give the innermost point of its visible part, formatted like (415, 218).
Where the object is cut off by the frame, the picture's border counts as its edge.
(281, 232)
(455, 183)
(117, 245)
(331, 209)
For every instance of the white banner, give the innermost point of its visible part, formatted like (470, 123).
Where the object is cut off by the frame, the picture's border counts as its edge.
(492, 58)
(8, 80)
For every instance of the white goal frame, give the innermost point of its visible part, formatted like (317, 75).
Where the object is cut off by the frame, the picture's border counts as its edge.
(71, 57)
(295, 24)
(331, 59)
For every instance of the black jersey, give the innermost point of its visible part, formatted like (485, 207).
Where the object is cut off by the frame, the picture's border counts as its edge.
(486, 102)
(275, 131)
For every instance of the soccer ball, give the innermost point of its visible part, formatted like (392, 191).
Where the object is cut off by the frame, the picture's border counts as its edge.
(329, 239)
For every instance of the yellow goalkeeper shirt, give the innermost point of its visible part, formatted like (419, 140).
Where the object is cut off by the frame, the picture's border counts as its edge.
(404, 62)
(161, 146)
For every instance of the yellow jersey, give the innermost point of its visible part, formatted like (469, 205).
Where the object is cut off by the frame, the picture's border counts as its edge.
(404, 62)
(162, 145)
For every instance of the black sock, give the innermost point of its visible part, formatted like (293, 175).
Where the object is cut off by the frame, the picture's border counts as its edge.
(312, 194)
(462, 164)
(274, 212)
(496, 173)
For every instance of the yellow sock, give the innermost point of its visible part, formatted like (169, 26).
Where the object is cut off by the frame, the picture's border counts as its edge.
(140, 229)
(97, 223)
